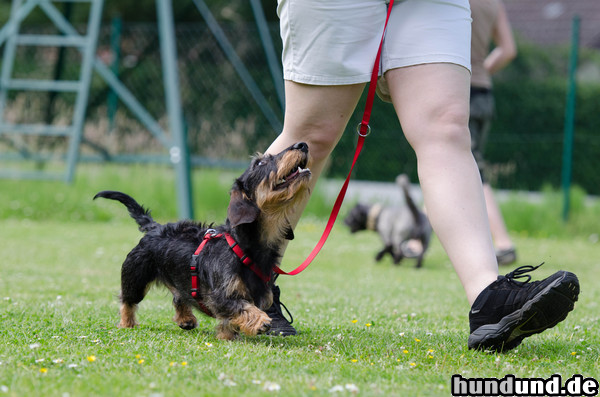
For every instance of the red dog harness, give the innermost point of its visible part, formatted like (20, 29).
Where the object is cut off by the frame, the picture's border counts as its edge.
(194, 267)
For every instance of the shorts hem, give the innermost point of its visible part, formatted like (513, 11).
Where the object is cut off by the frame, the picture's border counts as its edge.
(426, 59)
(325, 80)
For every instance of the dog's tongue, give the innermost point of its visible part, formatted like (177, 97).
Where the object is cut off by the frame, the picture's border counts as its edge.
(293, 174)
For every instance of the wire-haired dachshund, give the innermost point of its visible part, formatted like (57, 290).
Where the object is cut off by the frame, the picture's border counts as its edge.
(222, 270)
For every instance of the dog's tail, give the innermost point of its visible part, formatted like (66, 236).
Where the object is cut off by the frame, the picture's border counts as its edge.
(404, 183)
(136, 211)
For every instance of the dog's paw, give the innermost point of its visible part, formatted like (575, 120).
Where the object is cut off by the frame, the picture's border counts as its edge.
(127, 324)
(265, 327)
(252, 321)
(189, 324)
(185, 318)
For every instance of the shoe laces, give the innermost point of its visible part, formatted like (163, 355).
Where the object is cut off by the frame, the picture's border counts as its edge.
(520, 272)
(277, 304)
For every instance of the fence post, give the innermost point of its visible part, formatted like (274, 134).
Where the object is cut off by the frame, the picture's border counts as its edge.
(179, 150)
(567, 162)
(115, 46)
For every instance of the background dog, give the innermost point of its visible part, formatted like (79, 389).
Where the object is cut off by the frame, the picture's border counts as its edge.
(232, 287)
(396, 225)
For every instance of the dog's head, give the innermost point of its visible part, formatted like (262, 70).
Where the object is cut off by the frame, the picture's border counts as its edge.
(357, 218)
(269, 190)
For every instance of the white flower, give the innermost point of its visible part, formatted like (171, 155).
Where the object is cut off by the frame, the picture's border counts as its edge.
(271, 386)
(34, 345)
(351, 387)
(336, 388)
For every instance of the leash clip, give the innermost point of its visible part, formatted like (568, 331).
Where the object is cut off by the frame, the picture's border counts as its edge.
(359, 127)
(210, 233)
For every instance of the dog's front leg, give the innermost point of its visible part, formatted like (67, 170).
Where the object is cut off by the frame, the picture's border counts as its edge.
(184, 317)
(250, 320)
(225, 330)
(398, 256)
(387, 249)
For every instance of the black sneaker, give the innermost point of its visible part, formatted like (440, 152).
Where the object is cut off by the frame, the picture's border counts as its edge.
(506, 257)
(280, 326)
(508, 311)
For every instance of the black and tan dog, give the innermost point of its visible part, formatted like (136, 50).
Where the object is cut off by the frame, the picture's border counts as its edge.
(229, 275)
(396, 225)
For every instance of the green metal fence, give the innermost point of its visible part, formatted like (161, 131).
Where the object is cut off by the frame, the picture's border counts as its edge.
(229, 114)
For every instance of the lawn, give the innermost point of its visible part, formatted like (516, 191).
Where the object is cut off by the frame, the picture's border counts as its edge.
(365, 328)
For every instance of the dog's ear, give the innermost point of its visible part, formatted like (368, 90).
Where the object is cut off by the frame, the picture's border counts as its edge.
(241, 209)
(289, 232)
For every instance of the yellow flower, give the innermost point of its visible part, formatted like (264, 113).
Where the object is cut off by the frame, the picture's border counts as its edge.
(368, 324)
(141, 361)
(138, 356)
(417, 340)
(184, 363)
(354, 360)
(172, 364)
(354, 321)
(413, 364)
(405, 351)
(573, 353)
(91, 358)
(43, 370)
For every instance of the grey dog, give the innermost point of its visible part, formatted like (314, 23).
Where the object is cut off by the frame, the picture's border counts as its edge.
(396, 225)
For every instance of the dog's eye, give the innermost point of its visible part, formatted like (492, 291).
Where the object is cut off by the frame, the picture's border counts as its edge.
(260, 163)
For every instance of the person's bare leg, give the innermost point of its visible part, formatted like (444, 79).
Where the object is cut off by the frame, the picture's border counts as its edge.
(317, 115)
(432, 102)
(502, 239)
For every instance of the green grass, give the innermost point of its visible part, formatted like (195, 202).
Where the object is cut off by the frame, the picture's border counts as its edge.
(152, 185)
(386, 330)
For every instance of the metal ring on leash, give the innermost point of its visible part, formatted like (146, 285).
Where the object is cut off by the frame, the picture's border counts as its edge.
(360, 133)
(210, 233)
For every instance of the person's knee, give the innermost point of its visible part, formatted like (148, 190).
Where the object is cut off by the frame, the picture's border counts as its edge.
(452, 126)
(447, 128)
(321, 138)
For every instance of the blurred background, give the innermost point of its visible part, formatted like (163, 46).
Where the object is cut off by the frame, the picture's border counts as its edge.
(230, 91)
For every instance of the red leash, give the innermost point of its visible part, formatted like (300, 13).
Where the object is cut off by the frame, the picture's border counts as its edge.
(363, 130)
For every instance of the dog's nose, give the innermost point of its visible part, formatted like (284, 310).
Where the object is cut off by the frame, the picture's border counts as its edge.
(301, 146)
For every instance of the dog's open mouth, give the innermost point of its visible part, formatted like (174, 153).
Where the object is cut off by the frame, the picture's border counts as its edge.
(295, 174)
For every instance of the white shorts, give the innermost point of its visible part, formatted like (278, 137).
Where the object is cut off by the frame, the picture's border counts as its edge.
(335, 42)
